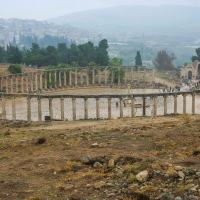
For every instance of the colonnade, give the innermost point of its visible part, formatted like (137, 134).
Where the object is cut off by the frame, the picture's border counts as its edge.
(71, 77)
(121, 99)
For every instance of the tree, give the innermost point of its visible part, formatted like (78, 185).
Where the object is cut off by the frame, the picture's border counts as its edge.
(102, 57)
(117, 73)
(163, 61)
(51, 56)
(13, 54)
(194, 58)
(2, 52)
(138, 59)
(62, 53)
(116, 62)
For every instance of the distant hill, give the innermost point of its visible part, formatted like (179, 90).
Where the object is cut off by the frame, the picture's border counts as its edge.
(167, 20)
(23, 31)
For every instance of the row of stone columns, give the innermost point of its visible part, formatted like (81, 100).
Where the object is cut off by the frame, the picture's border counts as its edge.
(155, 104)
(37, 81)
(23, 83)
(86, 111)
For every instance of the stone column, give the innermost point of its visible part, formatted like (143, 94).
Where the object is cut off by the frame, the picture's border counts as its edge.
(121, 106)
(50, 81)
(7, 90)
(36, 81)
(153, 74)
(27, 89)
(3, 108)
(22, 84)
(59, 75)
(145, 73)
(28, 109)
(132, 107)
(41, 85)
(138, 74)
(81, 77)
(165, 105)
(16, 85)
(144, 106)
(55, 77)
(11, 85)
(132, 74)
(39, 109)
(76, 77)
(99, 76)
(97, 109)
(193, 103)
(1, 87)
(87, 77)
(13, 109)
(184, 104)
(70, 77)
(129, 89)
(124, 68)
(62, 109)
(45, 80)
(74, 108)
(51, 108)
(65, 78)
(31, 82)
(175, 104)
(119, 76)
(112, 75)
(105, 76)
(155, 105)
(93, 77)
(109, 108)
(86, 107)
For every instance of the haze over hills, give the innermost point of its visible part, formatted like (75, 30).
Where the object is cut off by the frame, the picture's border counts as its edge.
(168, 20)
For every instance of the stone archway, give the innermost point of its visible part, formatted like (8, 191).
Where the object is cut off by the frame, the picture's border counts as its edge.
(189, 75)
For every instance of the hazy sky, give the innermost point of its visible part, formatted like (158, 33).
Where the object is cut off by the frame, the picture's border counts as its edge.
(46, 9)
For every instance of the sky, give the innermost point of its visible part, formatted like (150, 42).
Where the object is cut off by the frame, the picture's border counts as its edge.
(47, 9)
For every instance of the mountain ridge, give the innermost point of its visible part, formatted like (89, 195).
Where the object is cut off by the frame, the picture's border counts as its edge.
(163, 19)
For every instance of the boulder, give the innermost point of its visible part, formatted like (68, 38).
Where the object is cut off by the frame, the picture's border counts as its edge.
(142, 176)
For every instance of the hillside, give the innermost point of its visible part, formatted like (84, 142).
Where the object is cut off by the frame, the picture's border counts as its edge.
(117, 159)
(162, 20)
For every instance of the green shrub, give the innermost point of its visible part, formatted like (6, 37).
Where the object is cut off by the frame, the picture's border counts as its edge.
(15, 69)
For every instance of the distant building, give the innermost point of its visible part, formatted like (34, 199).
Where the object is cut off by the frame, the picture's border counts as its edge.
(191, 71)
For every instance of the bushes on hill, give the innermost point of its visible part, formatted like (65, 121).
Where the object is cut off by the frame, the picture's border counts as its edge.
(15, 69)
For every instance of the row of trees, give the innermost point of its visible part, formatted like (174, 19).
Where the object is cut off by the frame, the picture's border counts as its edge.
(77, 55)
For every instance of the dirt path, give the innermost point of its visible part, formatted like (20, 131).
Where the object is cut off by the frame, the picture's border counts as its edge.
(168, 83)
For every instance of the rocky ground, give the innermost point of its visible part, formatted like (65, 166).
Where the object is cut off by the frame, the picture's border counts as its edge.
(94, 160)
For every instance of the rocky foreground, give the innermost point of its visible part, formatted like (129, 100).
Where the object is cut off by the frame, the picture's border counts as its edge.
(116, 159)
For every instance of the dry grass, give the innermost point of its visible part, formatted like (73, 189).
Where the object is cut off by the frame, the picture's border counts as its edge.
(54, 169)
